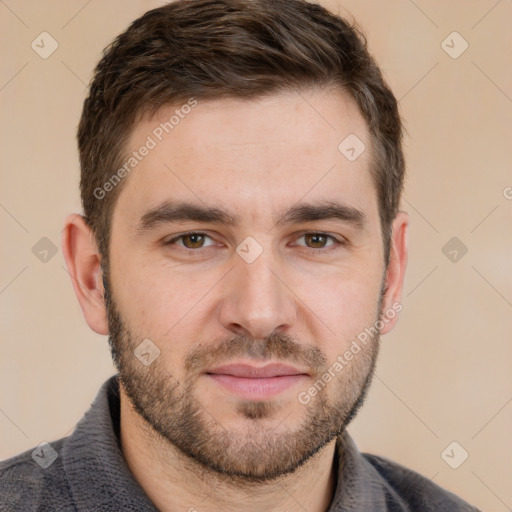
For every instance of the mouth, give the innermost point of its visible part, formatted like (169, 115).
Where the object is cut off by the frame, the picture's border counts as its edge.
(253, 382)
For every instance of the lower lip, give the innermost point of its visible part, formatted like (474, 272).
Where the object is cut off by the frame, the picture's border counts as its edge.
(254, 389)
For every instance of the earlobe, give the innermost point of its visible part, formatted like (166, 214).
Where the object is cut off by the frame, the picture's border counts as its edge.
(395, 272)
(83, 263)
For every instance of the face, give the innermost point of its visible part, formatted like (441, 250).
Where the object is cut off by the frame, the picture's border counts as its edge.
(246, 238)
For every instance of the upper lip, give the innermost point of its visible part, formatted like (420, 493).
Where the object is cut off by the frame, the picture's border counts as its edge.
(255, 372)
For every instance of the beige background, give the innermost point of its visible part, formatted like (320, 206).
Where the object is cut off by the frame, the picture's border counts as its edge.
(445, 372)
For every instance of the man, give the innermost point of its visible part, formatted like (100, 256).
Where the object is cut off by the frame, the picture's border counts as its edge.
(243, 248)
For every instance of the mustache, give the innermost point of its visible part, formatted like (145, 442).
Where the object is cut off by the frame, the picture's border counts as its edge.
(277, 347)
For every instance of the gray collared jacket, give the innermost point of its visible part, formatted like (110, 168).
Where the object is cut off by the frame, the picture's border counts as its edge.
(86, 471)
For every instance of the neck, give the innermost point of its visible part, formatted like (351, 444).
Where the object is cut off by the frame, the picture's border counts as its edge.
(175, 482)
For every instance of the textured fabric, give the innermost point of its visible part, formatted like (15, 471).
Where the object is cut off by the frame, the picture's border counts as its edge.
(90, 474)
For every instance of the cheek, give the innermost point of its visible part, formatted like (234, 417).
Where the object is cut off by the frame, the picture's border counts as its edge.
(152, 292)
(343, 303)
(167, 307)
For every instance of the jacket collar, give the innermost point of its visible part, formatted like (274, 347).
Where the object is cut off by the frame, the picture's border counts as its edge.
(99, 477)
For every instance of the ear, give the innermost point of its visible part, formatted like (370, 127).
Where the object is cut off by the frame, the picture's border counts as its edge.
(83, 262)
(395, 272)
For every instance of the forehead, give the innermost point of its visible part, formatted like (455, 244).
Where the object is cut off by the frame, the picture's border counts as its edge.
(253, 157)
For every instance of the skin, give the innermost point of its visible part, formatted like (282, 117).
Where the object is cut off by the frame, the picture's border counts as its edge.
(292, 304)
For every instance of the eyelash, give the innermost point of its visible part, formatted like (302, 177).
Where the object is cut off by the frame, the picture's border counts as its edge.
(336, 242)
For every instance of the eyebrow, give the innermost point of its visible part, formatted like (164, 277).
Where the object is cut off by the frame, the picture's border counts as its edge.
(168, 212)
(326, 210)
(182, 211)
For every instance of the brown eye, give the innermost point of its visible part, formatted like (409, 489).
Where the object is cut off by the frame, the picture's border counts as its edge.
(319, 242)
(193, 240)
(316, 240)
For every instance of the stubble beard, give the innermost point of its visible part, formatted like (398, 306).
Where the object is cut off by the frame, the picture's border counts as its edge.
(259, 452)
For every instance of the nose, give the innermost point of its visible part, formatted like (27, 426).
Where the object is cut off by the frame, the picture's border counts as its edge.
(257, 300)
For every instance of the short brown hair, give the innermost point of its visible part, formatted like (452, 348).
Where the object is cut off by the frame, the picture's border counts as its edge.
(214, 49)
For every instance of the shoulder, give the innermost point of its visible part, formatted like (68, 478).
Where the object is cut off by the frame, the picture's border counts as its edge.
(417, 491)
(35, 480)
